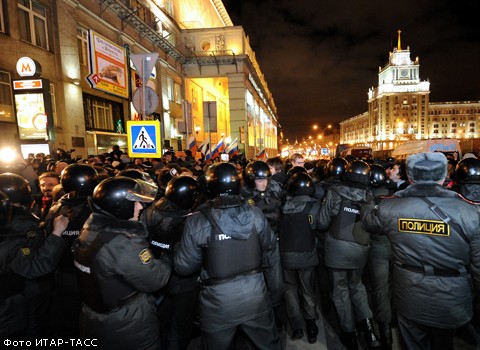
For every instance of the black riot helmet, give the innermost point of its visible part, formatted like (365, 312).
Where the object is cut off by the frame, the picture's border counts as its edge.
(378, 175)
(78, 177)
(222, 179)
(5, 210)
(117, 196)
(468, 171)
(183, 191)
(295, 170)
(335, 167)
(357, 171)
(256, 170)
(17, 189)
(300, 184)
(135, 174)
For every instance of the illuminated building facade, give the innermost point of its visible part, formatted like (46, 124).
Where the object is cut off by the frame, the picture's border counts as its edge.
(399, 109)
(203, 58)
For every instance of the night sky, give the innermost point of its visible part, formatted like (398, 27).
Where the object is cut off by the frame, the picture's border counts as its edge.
(320, 57)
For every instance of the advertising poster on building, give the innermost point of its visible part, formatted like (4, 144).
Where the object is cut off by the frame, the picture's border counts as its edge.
(108, 66)
(31, 115)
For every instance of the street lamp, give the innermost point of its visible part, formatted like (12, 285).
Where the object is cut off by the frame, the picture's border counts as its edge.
(321, 135)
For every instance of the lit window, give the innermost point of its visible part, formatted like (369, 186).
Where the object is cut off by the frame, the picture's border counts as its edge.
(101, 114)
(174, 91)
(6, 103)
(82, 42)
(33, 23)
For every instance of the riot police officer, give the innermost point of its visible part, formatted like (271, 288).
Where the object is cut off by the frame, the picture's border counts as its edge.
(467, 178)
(115, 268)
(235, 249)
(164, 222)
(380, 263)
(299, 255)
(25, 256)
(333, 172)
(264, 192)
(346, 252)
(78, 181)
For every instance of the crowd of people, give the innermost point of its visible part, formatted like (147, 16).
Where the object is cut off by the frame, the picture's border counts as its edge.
(150, 253)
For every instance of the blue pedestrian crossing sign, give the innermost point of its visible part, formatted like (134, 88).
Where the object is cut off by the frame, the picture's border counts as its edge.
(144, 139)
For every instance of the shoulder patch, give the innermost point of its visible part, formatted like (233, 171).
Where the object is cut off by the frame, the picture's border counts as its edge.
(426, 227)
(145, 256)
(251, 201)
(26, 251)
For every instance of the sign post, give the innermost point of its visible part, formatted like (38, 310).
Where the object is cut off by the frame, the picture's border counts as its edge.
(144, 64)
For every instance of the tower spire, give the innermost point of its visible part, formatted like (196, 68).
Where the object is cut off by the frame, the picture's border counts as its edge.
(399, 45)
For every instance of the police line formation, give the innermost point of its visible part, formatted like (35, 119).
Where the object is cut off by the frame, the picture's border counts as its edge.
(151, 254)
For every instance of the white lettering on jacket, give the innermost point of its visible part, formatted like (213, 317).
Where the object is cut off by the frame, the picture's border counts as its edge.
(351, 210)
(81, 267)
(160, 244)
(222, 237)
(71, 233)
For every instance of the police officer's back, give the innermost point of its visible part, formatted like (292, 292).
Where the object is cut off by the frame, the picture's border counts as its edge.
(298, 252)
(233, 246)
(379, 263)
(346, 251)
(435, 240)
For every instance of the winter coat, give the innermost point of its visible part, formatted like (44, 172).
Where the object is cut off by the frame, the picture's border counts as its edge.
(434, 264)
(164, 222)
(468, 190)
(342, 254)
(243, 297)
(380, 247)
(133, 324)
(25, 255)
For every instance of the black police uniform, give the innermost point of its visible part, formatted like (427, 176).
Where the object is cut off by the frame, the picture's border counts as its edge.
(164, 222)
(236, 251)
(299, 258)
(116, 271)
(435, 262)
(25, 256)
(66, 300)
(346, 253)
(269, 202)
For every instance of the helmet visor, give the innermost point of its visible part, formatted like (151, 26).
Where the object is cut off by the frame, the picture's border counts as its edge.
(143, 191)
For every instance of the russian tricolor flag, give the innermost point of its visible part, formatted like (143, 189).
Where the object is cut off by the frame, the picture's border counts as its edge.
(232, 148)
(261, 154)
(218, 148)
(192, 145)
(205, 147)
